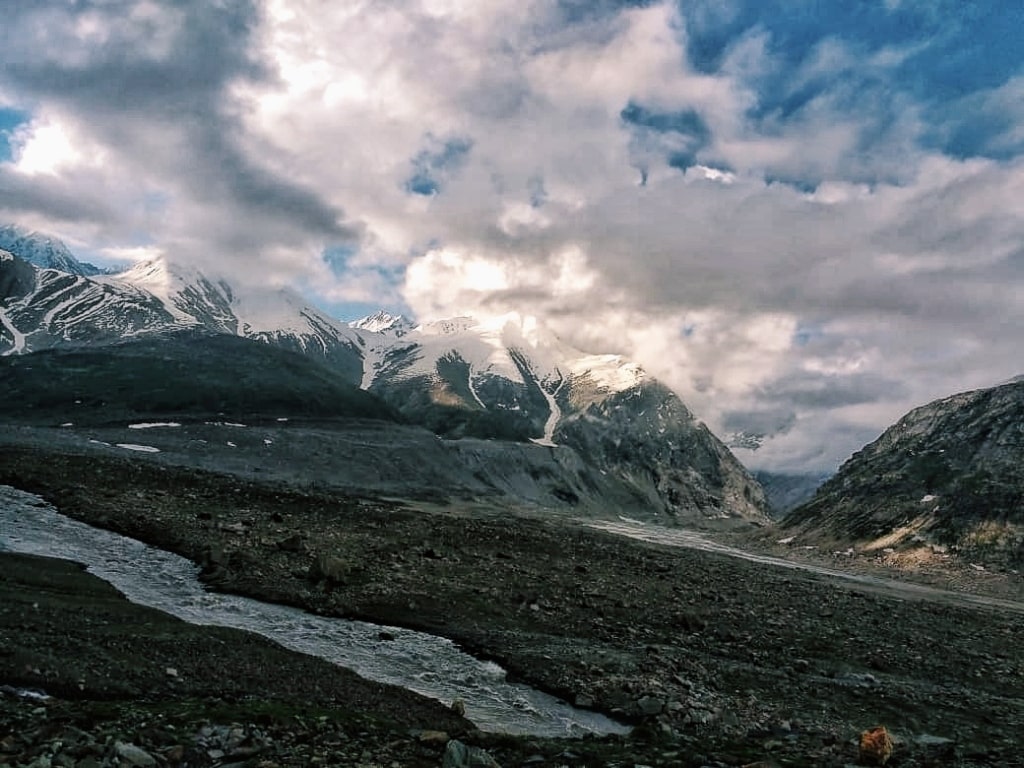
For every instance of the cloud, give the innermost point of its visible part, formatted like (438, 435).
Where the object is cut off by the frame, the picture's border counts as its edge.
(145, 87)
(804, 217)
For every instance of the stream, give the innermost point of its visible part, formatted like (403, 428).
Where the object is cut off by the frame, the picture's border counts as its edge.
(432, 666)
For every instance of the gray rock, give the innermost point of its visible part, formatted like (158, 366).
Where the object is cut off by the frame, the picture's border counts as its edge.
(458, 755)
(650, 705)
(133, 755)
(327, 568)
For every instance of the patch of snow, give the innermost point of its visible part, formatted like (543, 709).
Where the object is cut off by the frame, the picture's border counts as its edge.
(68, 424)
(611, 373)
(100, 442)
(282, 418)
(139, 448)
(473, 392)
(632, 520)
(267, 441)
(17, 337)
(554, 416)
(928, 497)
(231, 445)
(787, 540)
(153, 424)
(373, 359)
(977, 567)
(54, 311)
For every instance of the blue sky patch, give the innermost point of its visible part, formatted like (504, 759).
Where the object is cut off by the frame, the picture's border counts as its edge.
(934, 55)
(10, 119)
(432, 167)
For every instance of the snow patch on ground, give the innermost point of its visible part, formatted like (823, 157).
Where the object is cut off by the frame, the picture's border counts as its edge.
(139, 448)
(153, 424)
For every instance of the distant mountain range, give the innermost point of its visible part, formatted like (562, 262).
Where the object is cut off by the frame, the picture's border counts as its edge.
(636, 445)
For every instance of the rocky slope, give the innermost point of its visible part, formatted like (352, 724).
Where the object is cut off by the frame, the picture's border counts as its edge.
(948, 475)
(511, 378)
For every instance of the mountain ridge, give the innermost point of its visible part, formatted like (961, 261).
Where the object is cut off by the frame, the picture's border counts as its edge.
(507, 378)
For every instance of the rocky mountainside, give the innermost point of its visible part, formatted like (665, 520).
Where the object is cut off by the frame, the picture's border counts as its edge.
(508, 378)
(43, 308)
(511, 378)
(787, 491)
(43, 251)
(948, 474)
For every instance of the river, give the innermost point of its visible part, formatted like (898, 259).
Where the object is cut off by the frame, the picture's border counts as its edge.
(432, 666)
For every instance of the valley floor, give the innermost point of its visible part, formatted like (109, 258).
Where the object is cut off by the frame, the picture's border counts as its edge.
(719, 661)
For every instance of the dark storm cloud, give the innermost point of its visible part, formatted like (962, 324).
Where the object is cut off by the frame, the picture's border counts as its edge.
(153, 80)
(811, 390)
(19, 196)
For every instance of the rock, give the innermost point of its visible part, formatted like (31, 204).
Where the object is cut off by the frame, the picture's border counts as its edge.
(458, 755)
(133, 755)
(327, 568)
(650, 705)
(459, 707)
(875, 746)
(584, 700)
(294, 543)
(433, 738)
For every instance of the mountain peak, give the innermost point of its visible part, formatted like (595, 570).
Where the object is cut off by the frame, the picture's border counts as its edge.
(383, 322)
(43, 251)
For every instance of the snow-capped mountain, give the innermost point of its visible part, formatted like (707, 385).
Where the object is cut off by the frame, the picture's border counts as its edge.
(381, 322)
(508, 378)
(43, 250)
(512, 378)
(41, 308)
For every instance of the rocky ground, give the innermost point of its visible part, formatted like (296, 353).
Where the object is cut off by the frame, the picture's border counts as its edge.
(716, 660)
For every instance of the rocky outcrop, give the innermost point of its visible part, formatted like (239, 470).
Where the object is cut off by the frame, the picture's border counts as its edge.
(650, 440)
(948, 475)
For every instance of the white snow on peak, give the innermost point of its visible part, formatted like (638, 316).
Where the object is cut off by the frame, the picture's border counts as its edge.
(612, 373)
(271, 310)
(451, 326)
(158, 277)
(383, 322)
(6, 255)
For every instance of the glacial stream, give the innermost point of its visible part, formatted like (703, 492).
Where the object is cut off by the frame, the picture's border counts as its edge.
(429, 665)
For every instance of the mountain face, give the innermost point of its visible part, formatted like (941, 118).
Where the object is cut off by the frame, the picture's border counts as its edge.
(948, 474)
(785, 491)
(510, 378)
(45, 308)
(43, 251)
(633, 444)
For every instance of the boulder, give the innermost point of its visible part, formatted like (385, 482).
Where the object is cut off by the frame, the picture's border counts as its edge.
(875, 746)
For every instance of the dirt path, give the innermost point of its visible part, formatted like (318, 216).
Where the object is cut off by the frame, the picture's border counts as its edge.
(876, 584)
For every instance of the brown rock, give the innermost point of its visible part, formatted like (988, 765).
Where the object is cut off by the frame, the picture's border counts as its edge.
(875, 746)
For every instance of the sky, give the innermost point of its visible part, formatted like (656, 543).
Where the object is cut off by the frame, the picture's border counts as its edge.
(807, 217)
